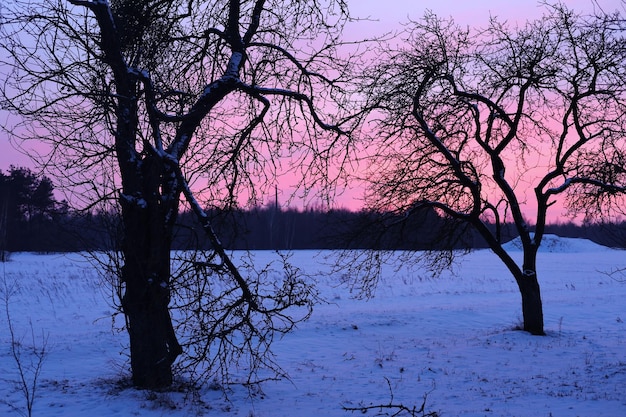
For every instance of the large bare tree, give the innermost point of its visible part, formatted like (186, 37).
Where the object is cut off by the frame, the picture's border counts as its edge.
(149, 102)
(492, 126)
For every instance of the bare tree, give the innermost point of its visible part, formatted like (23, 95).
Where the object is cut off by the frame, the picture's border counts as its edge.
(147, 102)
(492, 126)
(28, 359)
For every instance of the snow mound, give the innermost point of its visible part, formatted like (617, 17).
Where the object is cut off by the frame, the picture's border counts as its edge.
(554, 243)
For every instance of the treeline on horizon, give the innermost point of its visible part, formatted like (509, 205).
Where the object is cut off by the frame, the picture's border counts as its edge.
(271, 228)
(31, 220)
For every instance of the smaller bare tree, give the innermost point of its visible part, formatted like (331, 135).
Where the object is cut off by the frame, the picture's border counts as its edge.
(491, 126)
(28, 359)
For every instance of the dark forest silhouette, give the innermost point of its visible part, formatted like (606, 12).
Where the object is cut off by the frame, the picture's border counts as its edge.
(32, 220)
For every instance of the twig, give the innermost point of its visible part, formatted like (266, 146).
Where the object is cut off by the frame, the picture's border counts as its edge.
(399, 408)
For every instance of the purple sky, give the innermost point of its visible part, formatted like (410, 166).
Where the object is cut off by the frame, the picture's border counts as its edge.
(386, 16)
(8, 154)
(389, 13)
(472, 12)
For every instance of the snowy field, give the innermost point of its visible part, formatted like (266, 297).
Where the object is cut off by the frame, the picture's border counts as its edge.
(451, 339)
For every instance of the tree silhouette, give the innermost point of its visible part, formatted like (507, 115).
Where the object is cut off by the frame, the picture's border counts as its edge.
(152, 102)
(27, 205)
(465, 122)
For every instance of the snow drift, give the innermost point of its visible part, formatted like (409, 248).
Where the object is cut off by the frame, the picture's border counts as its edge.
(558, 244)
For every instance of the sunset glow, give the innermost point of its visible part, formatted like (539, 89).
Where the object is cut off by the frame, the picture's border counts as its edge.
(380, 18)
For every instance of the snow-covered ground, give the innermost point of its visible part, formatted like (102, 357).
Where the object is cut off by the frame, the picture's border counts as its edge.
(451, 339)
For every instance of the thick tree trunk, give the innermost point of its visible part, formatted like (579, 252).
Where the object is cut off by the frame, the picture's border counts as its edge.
(153, 344)
(532, 307)
(146, 276)
(526, 278)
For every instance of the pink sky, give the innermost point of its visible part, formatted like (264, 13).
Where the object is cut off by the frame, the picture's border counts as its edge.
(389, 13)
(387, 16)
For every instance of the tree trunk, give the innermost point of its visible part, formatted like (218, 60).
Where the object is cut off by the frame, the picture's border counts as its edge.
(526, 278)
(153, 344)
(148, 223)
(532, 307)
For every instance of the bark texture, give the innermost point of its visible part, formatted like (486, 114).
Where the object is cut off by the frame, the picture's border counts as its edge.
(532, 309)
(148, 222)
